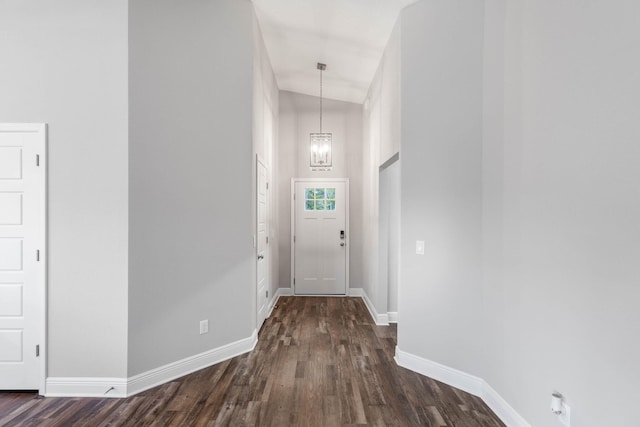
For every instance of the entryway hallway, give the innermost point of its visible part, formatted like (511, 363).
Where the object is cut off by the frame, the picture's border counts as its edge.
(319, 361)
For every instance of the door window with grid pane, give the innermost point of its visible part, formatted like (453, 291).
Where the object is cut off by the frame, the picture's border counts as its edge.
(320, 199)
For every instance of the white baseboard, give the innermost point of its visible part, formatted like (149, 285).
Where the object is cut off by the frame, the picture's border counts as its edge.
(280, 292)
(453, 377)
(124, 387)
(171, 371)
(382, 319)
(272, 303)
(463, 381)
(502, 409)
(86, 387)
(283, 292)
(355, 292)
(393, 317)
(379, 319)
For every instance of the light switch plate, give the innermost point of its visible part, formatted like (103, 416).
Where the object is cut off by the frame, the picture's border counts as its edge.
(420, 247)
(204, 326)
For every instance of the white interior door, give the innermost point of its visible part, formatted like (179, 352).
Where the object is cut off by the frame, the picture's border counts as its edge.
(262, 228)
(22, 262)
(320, 237)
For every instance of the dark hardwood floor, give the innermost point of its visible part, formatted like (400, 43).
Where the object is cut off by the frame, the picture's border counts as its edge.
(319, 362)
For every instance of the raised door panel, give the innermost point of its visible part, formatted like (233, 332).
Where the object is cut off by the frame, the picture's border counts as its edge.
(22, 278)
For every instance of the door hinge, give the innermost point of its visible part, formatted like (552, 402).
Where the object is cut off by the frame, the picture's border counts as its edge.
(37, 159)
(267, 185)
(267, 240)
(38, 255)
(38, 350)
(294, 196)
(294, 239)
(267, 294)
(294, 280)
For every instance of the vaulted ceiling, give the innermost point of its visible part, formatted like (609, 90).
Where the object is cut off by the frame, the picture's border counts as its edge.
(347, 35)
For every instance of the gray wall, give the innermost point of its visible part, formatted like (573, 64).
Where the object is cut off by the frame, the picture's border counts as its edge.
(65, 63)
(441, 291)
(381, 141)
(520, 151)
(502, 116)
(191, 163)
(299, 115)
(265, 140)
(561, 185)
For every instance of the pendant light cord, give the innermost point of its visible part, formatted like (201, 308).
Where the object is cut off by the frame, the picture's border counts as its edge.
(321, 100)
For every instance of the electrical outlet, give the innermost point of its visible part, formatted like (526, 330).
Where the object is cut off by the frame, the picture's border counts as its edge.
(204, 326)
(565, 416)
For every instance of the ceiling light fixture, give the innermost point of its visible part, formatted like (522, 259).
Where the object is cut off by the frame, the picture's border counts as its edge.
(320, 143)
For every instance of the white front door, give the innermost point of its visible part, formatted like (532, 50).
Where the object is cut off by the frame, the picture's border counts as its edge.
(22, 262)
(320, 237)
(262, 269)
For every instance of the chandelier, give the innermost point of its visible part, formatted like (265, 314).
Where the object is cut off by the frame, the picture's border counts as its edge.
(320, 142)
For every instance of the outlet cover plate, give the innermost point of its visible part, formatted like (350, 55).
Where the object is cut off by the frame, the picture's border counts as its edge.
(565, 416)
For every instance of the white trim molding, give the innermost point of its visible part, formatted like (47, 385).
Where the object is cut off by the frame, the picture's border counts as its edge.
(463, 381)
(86, 387)
(453, 377)
(280, 292)
(284, 292)
(381, 319)
(272, 304)
(501, 407)
(125, 387)
(171, 371)
(356, 292)
(393, 316)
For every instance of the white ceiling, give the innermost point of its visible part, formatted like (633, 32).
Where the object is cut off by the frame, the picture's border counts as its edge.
(347, 35)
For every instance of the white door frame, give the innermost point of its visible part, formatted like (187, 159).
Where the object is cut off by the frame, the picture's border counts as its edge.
(260, 161)
(41, 243)
(293, 226)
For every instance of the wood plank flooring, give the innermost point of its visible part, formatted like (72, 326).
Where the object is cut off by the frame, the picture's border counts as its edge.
(319, 362)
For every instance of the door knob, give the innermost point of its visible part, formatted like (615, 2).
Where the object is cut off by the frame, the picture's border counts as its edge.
(260, 257)
(341, 243)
